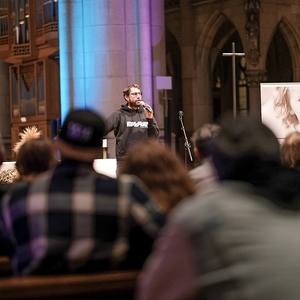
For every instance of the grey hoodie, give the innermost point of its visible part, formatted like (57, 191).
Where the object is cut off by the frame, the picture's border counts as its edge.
(130, 126)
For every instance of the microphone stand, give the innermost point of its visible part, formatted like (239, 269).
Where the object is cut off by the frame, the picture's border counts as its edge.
(186, 143)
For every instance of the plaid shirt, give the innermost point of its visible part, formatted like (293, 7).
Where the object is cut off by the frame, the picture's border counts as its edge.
(74, 219)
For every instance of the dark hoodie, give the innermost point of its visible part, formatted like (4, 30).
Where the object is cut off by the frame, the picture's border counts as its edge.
(130, 126)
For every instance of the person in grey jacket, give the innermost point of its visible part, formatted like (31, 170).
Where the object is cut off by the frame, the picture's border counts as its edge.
(132, 123)
(240, 241)
(204, 175)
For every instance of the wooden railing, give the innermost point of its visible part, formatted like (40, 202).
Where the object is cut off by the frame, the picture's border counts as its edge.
(115, 285)
(5, 269)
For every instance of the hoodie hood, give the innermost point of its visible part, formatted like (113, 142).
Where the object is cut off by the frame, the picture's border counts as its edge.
(125, 108)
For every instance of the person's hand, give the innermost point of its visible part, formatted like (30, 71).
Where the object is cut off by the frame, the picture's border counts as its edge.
(148, 110)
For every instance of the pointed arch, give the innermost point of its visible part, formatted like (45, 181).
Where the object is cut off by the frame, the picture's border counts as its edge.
(217, 37)
(293, 43)
(214, 35)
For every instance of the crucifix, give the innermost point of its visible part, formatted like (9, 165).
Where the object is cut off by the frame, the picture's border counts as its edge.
(233, 54)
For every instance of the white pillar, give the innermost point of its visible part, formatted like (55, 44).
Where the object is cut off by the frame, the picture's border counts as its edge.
(104, 45)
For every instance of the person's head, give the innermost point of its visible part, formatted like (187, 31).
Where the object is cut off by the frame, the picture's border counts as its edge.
(243, 146)
(290, 150)
(81, 135)
(161, 171)
(10, 175)
(35, 157)
(287, 105)
(29, 133)
(202, 139)
(133, 95)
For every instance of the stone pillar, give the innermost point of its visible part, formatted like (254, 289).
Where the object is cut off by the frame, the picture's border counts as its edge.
(188, 61)
(5, 107)
(104, 46)
(254, 78)
(158, 56)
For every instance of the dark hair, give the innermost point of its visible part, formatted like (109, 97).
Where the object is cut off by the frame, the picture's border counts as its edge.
(35, 156)
(242, 146)
(126, 91)
(203, 137)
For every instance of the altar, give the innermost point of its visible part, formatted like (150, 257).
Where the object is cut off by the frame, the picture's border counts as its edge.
(104, 166)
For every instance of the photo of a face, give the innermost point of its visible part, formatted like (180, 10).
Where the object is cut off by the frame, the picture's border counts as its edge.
(280, 107)
(295, 100)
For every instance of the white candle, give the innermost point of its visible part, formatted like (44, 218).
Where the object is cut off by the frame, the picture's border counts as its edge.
(104, 143)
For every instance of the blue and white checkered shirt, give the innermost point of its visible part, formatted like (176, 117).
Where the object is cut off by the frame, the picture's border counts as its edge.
(71, 219)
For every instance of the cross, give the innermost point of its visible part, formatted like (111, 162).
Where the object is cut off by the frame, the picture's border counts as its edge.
(233, 54)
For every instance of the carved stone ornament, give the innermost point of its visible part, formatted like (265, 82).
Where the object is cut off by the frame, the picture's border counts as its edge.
(252, 27)
(171, 4)
(254, 78)
(253, 57)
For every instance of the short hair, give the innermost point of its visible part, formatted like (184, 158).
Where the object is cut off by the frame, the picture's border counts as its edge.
(126, 91)
(35, 156)
(290, 150)
(203, 137)
(243, 145)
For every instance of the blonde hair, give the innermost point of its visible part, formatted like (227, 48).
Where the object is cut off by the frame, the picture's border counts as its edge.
(283, 108)
(290, 150)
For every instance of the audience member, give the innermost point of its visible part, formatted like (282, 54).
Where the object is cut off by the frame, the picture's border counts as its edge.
(290, 150)
(11, 175)
(161, 171)
(204, 175)
(70, 218)
(166, 178)
(29, 133)
(132, 123)
(236, 242)
(35, 157)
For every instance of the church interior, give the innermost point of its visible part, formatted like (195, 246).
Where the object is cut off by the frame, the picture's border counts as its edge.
(197, 62)
(56, 55)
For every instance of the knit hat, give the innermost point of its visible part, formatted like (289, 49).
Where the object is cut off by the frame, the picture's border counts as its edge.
(81, 135)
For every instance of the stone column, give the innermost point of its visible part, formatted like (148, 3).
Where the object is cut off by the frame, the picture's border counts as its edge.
(158, 55)
(106, 45)
(254, 78)
(188, 61)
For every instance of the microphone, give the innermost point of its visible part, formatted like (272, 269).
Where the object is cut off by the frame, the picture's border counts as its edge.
(147, 106)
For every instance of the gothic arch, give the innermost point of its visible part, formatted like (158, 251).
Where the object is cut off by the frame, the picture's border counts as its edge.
(215, 34)
(292, 41)
(208, 33)
(217, 37)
